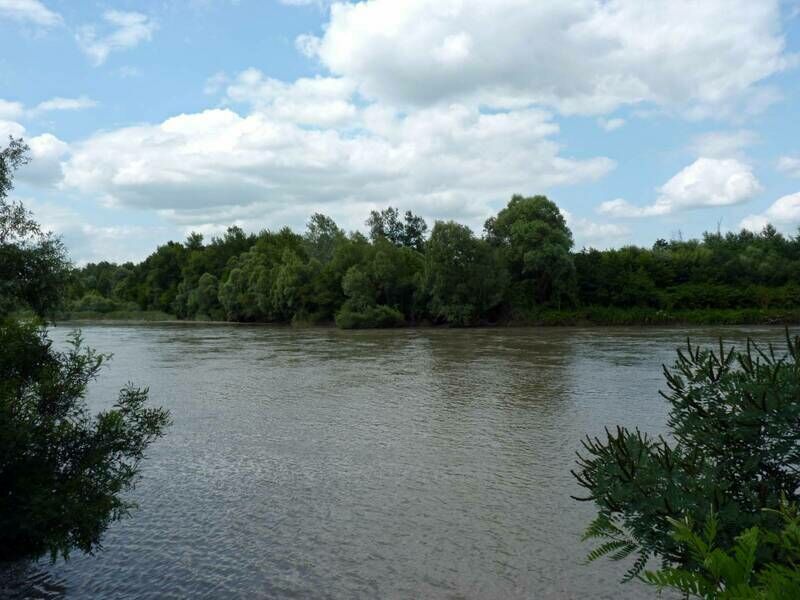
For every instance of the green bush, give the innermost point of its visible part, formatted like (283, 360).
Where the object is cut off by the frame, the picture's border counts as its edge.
(372, 317)
(62, 471)
(733, 449)
(94, 302)
(730, 573)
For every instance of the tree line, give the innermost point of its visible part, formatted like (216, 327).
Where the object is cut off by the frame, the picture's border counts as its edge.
(523, 268)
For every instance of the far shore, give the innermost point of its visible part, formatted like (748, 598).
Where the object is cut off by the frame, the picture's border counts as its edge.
(589, 317)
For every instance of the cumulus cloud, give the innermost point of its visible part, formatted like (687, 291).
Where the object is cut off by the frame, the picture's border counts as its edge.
(445, 107)
(707, 182)
(29, 11)
(124, 30)
(219, 166)
(47, 153)
(10, 128)
(784, 212)
(579, 56)
(317, 101)
(789, 165)
(592, 234)
(11, 110)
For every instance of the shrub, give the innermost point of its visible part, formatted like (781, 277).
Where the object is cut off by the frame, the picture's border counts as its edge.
(372, 317)
(61, 470)
(734, 450)
(730, 574)
(94, 302)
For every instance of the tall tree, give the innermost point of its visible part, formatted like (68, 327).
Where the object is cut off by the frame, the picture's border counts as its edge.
(537, 242)
(463, 276)
(409, 232)
(322, 236)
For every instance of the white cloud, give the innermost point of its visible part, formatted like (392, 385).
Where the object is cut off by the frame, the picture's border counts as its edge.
(307, 45)
(92, 242)
(611, 124)
(59, 103)
(789, 165)
(10, 128)
(318, 101)
(11, 110)
(219, 167)
(723, 144)
(128, 30)
(783, 212)
(454, 50)
(29, 11)
(114, 243)
(707, 182)
(46, 153)
(592, 234)
(15, 111)
(579, 56)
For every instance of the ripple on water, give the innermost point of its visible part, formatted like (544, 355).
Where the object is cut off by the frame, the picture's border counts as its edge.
(328, 464)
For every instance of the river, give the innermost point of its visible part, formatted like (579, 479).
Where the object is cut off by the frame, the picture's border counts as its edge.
(317, 463)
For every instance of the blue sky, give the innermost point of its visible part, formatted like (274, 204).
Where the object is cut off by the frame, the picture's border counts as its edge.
(151, 119)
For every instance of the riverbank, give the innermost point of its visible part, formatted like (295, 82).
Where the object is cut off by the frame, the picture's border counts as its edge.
(589, 316)
(604, 316)
(149, 316)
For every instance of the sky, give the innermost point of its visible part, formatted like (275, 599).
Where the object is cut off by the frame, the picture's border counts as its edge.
(642, 120)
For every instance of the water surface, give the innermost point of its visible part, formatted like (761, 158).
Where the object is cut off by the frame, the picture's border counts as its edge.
(386, 464)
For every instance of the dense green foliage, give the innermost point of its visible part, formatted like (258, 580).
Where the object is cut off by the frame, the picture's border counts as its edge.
(730, 574)
(736, 270)
(62, 471)
(33, 270)
(522, 270)
(734, 451)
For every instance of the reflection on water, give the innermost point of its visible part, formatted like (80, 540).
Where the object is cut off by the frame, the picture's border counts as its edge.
(326, 464)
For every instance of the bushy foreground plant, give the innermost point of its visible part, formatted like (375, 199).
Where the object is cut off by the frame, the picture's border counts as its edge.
(731, 574)
(733, 450)
(62, 471)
